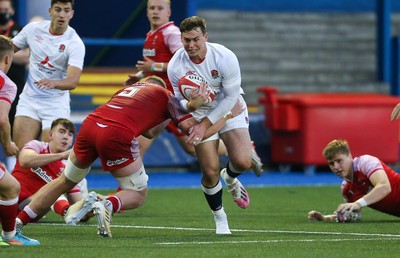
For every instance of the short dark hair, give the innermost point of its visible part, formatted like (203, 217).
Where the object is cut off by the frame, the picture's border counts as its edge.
(64, 122)
(193, 22)
(63, 1)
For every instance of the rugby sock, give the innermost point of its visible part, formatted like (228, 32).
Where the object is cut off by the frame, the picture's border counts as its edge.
(213, 196)
(115, 202)
(8, 213)
(27, 215)
(231, 171)
(60, 207)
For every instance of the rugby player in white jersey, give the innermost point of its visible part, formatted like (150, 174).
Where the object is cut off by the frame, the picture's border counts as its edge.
(55, 65)
(219, 66)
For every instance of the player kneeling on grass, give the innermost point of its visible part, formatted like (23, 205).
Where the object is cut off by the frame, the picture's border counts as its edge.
(110, 133)
(367, 181)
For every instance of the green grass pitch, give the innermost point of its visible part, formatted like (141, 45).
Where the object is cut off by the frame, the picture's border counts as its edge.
(178, 223)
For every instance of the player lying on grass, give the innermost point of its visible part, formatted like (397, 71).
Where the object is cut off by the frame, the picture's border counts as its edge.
(367, 181)
(110, 133)
(39, 163)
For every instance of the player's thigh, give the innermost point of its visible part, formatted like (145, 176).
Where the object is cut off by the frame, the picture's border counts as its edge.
(25, 129)
(238, 145)
(144, 144)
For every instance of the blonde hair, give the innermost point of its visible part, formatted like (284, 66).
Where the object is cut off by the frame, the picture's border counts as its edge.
(154, 79)
(6, 46)
(336, 147)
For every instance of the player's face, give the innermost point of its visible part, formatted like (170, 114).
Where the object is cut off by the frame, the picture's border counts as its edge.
(158, 13)
(342, 165)
(61, 14)
(194, 43)
(61, 138)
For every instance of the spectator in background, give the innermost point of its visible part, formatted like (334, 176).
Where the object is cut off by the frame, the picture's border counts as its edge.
(9, 186)
(17, 72)
(55, 66)
(367, 181)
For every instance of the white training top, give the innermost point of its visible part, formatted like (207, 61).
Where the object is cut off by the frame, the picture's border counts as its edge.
(8, 89)
(50, 56)
(220, 69)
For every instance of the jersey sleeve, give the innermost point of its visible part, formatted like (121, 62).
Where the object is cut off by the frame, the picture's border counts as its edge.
(7, 92)
(21, 39)
(175, 112)
(368, 164)
(173, 38)
(76, 53)
(231, 81)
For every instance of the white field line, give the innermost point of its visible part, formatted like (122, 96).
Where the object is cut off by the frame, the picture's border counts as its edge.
(385, 236)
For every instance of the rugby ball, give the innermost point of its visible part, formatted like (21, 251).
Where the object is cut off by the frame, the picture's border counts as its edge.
(192, 82)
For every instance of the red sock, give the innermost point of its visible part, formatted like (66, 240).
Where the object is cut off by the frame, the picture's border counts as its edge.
(60, 207)
(24, 217)
(8, 213)
(116, 202)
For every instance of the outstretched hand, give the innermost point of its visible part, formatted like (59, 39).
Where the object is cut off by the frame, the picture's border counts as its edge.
(315, 216)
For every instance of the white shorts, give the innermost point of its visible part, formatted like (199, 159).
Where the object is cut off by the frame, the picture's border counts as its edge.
(240, 121)
(44, 110)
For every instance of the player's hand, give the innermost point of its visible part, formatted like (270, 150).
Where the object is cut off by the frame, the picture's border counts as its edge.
(315, 216)
(45, 84)
(198, 97)
(395, 112)
(10, 149)
(144, 65)
(196, 134)
(238, 108)
(351, 206)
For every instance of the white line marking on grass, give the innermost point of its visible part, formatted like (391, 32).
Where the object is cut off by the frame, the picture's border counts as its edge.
(235, 230)
(276, 241)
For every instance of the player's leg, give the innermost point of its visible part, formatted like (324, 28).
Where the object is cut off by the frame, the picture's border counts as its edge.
(238, 144)
(9, 191)
(208, 158)
(25, 129)
(144, 144)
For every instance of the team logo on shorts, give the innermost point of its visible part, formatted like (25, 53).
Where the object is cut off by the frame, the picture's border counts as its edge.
(117, 162)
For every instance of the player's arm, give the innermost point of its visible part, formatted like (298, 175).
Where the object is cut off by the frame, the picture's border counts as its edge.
(381, 189)
(156, 130)
(29, 158)
(318, 216)
(5, 130)
(69, 83)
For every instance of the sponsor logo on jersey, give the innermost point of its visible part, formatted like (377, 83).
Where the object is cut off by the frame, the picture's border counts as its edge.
(149, 52)
(38, 38)
(42, 174)
(111, 163)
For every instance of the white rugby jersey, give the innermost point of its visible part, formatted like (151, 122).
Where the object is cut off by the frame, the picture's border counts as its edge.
(50, 55)
(220, 69)
(8, 89)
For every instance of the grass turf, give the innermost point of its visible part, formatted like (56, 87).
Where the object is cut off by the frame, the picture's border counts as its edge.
(177, 223)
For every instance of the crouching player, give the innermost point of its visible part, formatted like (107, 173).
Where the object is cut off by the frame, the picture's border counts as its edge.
(110, 133)
(367, 181)
(39, 163)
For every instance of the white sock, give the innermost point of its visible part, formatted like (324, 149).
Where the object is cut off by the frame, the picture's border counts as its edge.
(11, 161)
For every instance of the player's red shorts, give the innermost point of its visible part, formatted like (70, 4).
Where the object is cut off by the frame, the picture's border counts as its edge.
(172, 128)
(116, 147)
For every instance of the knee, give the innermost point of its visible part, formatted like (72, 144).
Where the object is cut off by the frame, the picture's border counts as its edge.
(241, 164)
